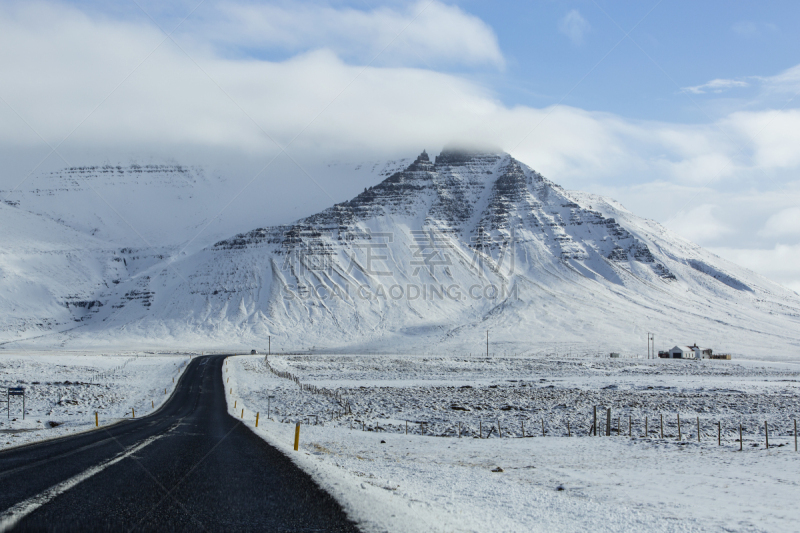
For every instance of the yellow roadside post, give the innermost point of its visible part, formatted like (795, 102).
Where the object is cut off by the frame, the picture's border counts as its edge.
(242, 413)
(256, 419)
(133, 413)
(96, 422)
(296, 436)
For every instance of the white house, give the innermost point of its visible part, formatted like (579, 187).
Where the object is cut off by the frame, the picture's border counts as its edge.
(681, 352)
(690, 352)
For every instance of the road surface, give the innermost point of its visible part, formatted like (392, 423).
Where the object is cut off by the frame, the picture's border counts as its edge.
(189, 466)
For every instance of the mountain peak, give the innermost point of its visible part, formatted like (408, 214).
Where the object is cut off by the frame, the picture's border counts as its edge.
(421, 163)
(460, 154)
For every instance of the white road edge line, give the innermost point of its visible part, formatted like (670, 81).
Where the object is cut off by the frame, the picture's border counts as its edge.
(11, 516)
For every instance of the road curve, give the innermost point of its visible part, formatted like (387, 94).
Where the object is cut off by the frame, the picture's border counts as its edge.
(189, 466)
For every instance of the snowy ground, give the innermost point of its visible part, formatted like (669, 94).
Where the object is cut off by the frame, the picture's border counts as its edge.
(63, 392)
(440, 482)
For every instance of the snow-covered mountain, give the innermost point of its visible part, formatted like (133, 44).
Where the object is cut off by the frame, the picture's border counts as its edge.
(429, 258)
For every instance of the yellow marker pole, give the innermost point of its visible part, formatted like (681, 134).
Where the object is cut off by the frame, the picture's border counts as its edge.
(231, 390)
(165, 392)
(242, 413)
(234, 403)
(296, 436)
(152, 404)
(96, 422)
(256, 419)
(229, 380)
(133, 413)
(173, 380)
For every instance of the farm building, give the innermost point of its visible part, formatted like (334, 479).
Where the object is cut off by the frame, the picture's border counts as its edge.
(690, 352)
(693, 352)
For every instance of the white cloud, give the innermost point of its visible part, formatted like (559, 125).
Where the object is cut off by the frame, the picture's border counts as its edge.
(424, 33)
(747, 28)
(715, 86)
(787, 81)
(574, 26)
(783, 223)
(772, 136)
(699, 224)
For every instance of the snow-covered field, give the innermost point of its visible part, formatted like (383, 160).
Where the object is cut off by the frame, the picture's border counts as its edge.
(63, 392)
(388, 479)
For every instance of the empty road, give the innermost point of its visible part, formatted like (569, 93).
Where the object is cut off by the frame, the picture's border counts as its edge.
(187, 467)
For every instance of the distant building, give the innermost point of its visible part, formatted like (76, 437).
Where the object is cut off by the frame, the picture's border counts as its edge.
(614, 355)
(689, 352)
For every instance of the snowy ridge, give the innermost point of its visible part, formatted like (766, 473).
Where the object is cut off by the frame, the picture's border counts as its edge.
(437, 253)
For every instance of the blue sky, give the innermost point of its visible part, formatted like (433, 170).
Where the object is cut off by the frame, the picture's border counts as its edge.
(671, 45)
(686, 112)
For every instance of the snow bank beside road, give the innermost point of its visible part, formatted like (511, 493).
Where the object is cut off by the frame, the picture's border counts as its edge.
(416, 483)
(62, 392)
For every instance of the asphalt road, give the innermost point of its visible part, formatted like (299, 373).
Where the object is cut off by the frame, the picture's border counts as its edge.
(187, 467)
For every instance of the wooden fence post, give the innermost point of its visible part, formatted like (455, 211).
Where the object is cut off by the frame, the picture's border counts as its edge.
(522, 422)
(719, 433)
(698, 429)
(542, 427)
(630, 426)
(480, 428)
(645, 428)
(740, 437)
(499, 431)
(594, 423)
(569, 434)
(679, 427)
(795, 434)
(662, 425)
(766, 433)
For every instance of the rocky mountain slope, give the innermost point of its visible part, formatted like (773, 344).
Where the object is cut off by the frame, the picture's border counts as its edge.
(432, 257)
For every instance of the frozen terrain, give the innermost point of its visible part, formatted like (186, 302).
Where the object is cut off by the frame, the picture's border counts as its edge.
(63, 392)
(390, 480)
(427, 258)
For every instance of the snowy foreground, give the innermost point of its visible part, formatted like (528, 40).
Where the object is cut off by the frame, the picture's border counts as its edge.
(389, 480)
(63, 392)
